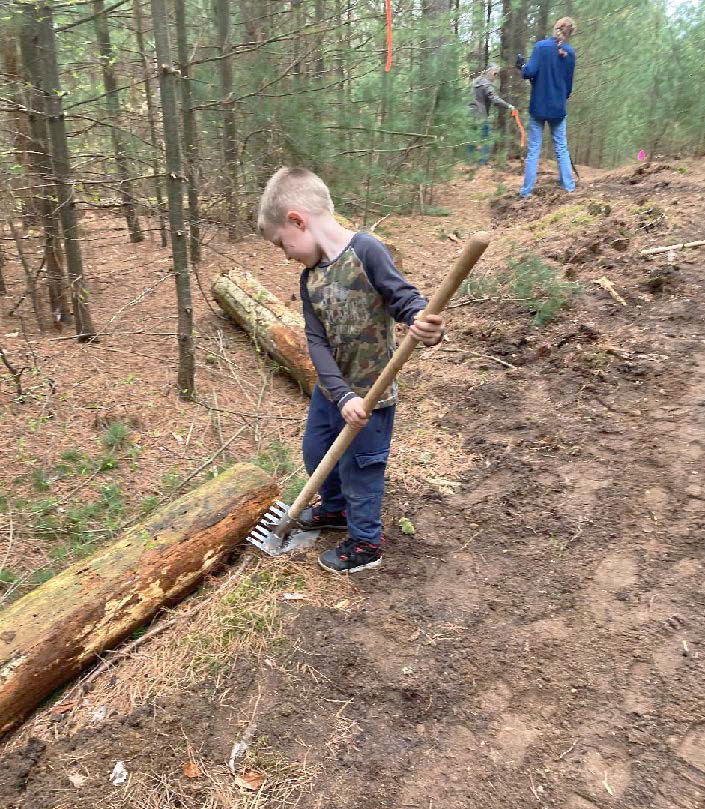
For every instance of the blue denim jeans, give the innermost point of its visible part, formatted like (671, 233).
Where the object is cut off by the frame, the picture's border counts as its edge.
(356, 484)
(533, 150)
(485, 148)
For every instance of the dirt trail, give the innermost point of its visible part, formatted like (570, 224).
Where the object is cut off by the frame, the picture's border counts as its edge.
(539, 640)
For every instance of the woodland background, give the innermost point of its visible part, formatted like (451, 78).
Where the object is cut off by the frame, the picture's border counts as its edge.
(175, 113)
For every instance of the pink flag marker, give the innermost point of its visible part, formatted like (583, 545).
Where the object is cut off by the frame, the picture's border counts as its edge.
(641, 155)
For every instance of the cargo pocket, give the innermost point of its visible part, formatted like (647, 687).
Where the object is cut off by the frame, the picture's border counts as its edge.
(364, 459)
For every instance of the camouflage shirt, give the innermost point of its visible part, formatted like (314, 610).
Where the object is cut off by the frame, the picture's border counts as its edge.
(350, 305)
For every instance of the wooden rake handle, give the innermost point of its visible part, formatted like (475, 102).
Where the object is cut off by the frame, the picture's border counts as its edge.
(461, 269)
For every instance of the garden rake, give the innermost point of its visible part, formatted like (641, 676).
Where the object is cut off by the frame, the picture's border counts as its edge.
(277, 533)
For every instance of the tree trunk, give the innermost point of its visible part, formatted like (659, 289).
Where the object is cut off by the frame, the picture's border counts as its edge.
(41, 161)
(167, 90)
(319, 63)
(151, 118)
(512, 41)
(189, 129)
(542, 19)
(48, 636)
(42, 17)
(30, 278)
(222, 15)
(275, 329)
(19, 136)
(3, 287)
(252, 18)
(486, 54)
(107, 58)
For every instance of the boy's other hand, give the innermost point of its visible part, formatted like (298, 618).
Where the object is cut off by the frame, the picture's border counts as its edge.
(427, 328)
(354, 412)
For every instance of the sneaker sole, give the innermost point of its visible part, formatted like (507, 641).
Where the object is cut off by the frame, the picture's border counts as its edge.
(368, 566)
(328, 528)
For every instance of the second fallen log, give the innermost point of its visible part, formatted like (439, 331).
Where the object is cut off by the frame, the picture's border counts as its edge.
(276, 329)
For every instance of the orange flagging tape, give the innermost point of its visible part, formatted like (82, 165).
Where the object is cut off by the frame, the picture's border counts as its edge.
(388, 12)
(515, 115)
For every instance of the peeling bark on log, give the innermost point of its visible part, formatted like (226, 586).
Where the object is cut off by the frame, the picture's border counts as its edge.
(276, 329)
(48, 636)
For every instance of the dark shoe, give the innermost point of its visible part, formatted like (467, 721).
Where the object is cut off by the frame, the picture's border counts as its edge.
(350, 557)
(312, 519)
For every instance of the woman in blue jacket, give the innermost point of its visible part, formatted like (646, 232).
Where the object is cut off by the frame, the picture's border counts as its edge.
(550, 71)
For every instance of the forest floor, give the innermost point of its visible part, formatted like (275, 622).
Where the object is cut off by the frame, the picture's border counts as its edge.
(537, 641)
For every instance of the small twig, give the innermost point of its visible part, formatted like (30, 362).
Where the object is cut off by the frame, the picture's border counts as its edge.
(604, 282)
(30, 277)
(247, 415)
(79, 487)
(9, 543)
(210, 460)
(379, 222)
(215, 419)
(467, 302)
(190, 430)
(533, 788)
(125, 651)
(490, 357)
(240, 747)
(569, 750)
(14, 372)
(606, 785)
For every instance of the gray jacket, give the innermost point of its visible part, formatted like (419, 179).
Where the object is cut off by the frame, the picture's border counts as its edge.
(485, 96)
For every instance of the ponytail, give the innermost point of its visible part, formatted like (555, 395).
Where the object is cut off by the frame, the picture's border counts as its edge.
(562, 31)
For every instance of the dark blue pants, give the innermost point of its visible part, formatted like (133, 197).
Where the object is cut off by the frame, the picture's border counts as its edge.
(356, 484)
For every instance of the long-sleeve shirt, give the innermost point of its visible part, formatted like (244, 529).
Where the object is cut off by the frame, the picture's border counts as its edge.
(551, 77)
(350, 305)
(484, 96)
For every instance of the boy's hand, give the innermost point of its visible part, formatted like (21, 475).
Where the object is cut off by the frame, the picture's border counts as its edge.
(427, 328)
(354, 412)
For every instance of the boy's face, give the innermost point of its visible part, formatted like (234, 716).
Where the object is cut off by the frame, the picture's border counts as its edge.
(296, 240)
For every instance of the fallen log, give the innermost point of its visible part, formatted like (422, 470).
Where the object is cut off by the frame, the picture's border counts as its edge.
(275, 329)
(53, 632)
(652, 251)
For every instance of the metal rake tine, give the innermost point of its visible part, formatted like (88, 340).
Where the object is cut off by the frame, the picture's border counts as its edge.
(260, 533)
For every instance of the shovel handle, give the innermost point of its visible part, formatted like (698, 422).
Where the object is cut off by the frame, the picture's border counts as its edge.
(461, 269)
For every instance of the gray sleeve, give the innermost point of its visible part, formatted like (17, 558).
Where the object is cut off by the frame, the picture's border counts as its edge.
(495, 99)
(401, 299)
(329, 375)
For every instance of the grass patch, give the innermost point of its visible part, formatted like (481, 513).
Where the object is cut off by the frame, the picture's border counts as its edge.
(276, 460)
(40, 482)
(115, 435)
(7, 577)
(248, 617)
(527, 280)
(171, 481)
(149, 504)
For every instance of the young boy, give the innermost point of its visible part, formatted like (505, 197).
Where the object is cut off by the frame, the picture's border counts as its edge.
(351, 295)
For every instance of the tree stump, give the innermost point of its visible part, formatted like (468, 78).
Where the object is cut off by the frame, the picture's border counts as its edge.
(48, 636)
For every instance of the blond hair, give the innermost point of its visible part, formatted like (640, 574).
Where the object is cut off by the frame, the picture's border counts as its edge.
(292, 188)
(563, 29)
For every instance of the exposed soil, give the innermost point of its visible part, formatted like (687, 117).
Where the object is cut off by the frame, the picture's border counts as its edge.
(539, 640)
